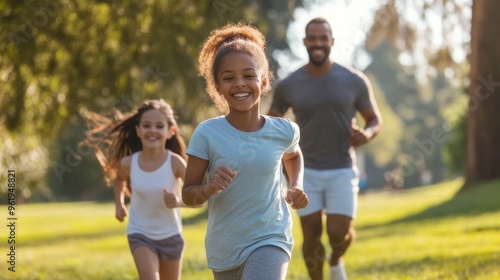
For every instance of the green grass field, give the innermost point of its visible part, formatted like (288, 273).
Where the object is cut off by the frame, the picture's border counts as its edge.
(422, 233)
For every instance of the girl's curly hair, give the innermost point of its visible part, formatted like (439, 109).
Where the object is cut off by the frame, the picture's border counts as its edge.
(231, 38)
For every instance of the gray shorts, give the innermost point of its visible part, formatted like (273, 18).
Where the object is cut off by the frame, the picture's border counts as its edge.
(334, 190)
(168, 249)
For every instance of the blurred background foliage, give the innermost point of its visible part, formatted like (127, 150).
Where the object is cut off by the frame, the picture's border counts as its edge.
(61, 57)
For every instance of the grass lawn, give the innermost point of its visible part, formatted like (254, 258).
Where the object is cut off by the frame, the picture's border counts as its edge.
(422, 233)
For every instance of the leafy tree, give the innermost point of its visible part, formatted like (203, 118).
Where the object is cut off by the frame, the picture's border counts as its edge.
(433, 75)
(59, 57)
(482, 157)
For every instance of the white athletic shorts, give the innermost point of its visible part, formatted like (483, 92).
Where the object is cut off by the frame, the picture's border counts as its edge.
(333, 190)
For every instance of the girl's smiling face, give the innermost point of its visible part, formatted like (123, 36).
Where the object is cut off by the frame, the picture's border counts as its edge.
(240, 81)
(153, 129)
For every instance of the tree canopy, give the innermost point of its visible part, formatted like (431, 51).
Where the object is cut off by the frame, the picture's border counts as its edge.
(59, 57)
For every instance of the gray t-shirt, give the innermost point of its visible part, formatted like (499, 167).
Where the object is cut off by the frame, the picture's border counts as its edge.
(324, 107)
(251, 212)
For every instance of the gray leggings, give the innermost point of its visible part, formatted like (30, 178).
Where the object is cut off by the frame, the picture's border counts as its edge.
(265, 263)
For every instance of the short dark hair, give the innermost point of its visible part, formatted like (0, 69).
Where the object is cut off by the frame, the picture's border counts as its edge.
(319, 20)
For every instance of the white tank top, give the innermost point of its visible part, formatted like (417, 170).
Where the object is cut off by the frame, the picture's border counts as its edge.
(148, 213)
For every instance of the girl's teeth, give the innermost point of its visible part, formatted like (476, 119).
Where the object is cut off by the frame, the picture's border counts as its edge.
(239, 95)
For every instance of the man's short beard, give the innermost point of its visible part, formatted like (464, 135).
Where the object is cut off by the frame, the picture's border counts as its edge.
(317, 63)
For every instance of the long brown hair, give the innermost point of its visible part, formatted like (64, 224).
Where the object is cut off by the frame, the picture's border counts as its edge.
(231, 38)
(114, 137)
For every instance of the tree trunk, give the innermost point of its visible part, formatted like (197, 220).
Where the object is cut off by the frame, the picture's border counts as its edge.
(483, 147)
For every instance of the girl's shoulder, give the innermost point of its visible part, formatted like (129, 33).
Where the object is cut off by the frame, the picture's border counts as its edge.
(210, 124)
(124, 166)
(279, 121)
(284, 124)
(178, 164)
(176, 158)
(126, 161)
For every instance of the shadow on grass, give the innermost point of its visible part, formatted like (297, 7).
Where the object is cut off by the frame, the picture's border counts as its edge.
(471, 202)
(478, 200)
(458, 267)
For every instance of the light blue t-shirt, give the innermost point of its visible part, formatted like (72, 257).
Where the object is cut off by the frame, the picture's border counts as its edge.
(251, 212)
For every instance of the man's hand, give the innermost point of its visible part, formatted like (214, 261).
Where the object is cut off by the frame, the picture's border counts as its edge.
(359, 136)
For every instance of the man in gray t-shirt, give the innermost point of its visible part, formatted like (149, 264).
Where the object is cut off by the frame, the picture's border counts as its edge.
(325, 97)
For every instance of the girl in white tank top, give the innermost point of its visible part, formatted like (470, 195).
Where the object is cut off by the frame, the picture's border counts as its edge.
(144, 157)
